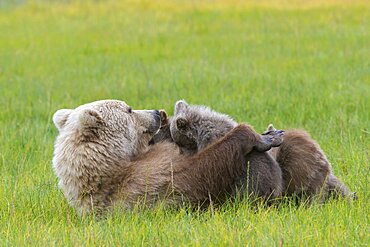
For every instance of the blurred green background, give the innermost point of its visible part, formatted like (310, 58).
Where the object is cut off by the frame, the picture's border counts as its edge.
(297, 64)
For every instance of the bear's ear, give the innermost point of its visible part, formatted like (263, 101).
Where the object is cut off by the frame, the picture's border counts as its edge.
(180, 106)
(60, 118)
(164, 117)
(182, 123)
(89, 118)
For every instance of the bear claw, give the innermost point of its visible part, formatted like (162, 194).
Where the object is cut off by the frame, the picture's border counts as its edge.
(269, 139)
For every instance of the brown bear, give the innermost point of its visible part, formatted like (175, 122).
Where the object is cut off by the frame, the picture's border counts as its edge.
(305, 168)
(102, 159)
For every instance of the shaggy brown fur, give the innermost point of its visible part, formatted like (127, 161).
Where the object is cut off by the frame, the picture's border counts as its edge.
(200, 178)
(305, 168)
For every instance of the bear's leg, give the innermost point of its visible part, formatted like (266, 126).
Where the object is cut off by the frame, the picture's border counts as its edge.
(211, 173)
(336, 188)
(264, 176)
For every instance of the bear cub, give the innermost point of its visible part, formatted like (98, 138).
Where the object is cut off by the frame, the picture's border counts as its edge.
(193, 128)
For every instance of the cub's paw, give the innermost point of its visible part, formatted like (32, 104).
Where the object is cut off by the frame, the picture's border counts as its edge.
(270, 138)
(277, 135)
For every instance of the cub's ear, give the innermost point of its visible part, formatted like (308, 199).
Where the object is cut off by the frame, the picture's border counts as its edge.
(60, 118)
(181, 106)
(182, 123)
(164, 117)
(89, 118)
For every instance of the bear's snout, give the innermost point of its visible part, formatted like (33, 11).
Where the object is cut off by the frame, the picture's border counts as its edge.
(157, 116)
(156, 124)
(156, 112)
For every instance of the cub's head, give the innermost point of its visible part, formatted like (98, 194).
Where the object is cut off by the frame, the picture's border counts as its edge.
(106, 127)
(195, 127)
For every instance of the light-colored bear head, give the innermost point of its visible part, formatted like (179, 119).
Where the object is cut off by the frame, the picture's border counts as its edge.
(194, 127)
(95, 139)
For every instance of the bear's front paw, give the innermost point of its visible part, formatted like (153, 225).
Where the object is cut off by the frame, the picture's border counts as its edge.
(269, 139)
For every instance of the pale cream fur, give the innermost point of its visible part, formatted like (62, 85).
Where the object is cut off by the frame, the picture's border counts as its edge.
(95, 143)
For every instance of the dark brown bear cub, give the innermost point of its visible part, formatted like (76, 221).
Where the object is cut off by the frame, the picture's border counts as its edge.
(194, 128)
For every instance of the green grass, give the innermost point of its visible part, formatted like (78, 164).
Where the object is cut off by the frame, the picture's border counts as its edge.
(297, 66)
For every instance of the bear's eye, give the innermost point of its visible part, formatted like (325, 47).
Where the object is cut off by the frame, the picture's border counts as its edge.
(129, 110)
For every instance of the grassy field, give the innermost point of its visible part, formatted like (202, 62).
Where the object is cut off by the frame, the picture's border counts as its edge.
(297, 65)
